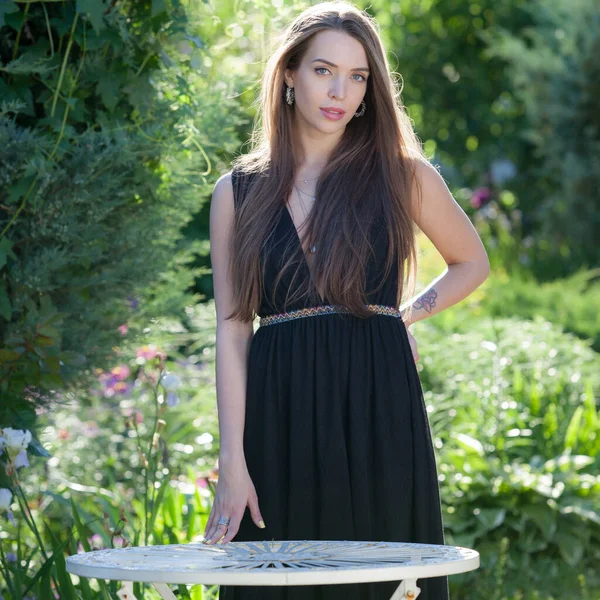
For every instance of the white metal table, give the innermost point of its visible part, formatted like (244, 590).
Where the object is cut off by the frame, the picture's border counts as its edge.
(291, 562)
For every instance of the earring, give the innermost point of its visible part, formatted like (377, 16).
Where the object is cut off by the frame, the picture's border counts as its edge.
(362, 110)
(290, 95)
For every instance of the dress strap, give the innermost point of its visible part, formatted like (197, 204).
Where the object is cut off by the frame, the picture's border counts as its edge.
(241, 182)
(326, 309)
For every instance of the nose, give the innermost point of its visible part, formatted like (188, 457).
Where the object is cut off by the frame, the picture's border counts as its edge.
(338, 89)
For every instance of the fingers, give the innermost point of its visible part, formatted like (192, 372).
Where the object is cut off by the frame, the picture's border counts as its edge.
(255, 511)
(232, 530)
(216, 534)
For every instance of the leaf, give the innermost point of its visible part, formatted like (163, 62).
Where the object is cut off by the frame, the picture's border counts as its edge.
(543, 516)
(5, 304)
(158, 6)
(37, 449)
(94, 11)
(67, 590)
(491, 517)
(80, 528)
(108, 89)
(469, 443)
(72, 358)
(7, 8)
(5, 251)
(570, 547)
(573, 428)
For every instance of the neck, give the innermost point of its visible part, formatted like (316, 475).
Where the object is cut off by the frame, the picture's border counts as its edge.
(315, 146)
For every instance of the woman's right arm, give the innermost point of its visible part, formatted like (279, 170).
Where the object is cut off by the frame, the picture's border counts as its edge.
(233, 338)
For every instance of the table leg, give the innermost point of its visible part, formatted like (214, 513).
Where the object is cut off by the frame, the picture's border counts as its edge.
(126, 591)
(407, 590)
(165, 591)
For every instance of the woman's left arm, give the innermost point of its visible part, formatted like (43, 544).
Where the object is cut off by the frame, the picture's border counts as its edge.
(444, 222)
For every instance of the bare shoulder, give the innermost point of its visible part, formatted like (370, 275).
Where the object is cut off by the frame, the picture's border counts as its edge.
(427, 183)
(223, 187)
(439, 216)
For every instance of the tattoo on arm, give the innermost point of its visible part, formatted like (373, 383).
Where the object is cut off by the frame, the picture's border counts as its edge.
(427, 300)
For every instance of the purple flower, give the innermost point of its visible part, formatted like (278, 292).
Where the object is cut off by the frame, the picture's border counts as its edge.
(172, 399)
(480, 197)
(11, 557)
(21, 459)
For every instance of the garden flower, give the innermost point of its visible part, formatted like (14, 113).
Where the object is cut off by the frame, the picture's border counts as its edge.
(480, 197)
(21, 459)
(120, 372)
(5, 501)
(170, 382)
(148, 352)
(5, 498)
(14, 440)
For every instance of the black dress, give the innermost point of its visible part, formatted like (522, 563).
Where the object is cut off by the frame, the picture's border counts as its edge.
(336, 438)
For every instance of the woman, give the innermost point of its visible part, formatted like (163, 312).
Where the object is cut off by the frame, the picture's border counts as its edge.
(323, 428)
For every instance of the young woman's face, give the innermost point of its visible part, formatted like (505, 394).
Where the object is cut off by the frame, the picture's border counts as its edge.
(333, 74)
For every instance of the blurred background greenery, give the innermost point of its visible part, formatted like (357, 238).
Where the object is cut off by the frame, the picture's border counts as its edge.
(117, 118)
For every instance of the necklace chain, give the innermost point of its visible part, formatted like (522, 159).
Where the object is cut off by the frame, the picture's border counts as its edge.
(305, 193)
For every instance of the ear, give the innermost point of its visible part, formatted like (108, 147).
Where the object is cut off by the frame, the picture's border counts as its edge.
(289, 77)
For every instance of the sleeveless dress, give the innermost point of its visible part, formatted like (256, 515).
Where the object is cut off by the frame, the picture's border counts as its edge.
(336, 439)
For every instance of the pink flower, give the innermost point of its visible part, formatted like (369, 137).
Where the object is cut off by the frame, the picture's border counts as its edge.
(123, 329)
(95, 541)
(120, 372)
(147, 352)
(480, 197)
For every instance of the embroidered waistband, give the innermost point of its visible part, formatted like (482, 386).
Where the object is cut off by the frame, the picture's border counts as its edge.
(326, 309)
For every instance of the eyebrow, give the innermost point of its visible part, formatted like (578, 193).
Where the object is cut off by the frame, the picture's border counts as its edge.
(327, 62)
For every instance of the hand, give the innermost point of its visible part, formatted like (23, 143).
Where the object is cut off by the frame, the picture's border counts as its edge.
(234, 492)
(413, 345)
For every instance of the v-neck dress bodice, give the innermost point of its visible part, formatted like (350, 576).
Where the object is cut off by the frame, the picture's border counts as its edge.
(336, 435)
(274, 256)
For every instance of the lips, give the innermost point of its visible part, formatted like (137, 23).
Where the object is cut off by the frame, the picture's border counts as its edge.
(332, 114)
(333, 110)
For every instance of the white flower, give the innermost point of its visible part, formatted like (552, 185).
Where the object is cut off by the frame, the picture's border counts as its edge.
(15, 440)
(5, 498)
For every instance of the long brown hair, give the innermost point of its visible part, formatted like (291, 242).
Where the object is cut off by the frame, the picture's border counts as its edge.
(368, 177)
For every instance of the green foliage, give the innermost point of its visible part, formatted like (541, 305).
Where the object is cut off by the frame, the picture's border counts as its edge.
(141, 489)
(571, 302)
(502, 80)
(107, 139)
(554, 71)
(517, 429)
(458, 97)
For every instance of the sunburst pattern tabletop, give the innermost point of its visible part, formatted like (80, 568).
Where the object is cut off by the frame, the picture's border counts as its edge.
(296, 562)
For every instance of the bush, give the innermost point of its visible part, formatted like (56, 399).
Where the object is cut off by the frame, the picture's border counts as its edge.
(513, 409)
